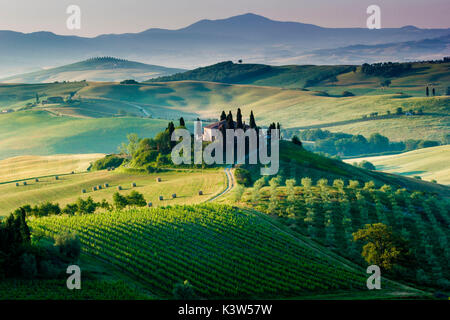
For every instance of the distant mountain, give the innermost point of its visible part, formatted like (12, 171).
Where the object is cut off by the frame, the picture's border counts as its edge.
(254, 38)
(95, 69)
(427, 49)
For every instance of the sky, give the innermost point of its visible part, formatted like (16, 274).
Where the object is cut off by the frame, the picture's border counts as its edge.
(122, 16)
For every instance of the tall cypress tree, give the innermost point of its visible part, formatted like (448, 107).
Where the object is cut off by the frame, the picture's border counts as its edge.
(230, 124)
(223, 116)
(252, 121)
(239, 124)
(182, 122)
(428, 91)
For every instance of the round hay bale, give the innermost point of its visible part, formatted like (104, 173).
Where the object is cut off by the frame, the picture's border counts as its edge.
(119, 188)
(99, 187)
(24, 183)
(36, 180)
(133, 184)
(174, 196)
(83, 190)
(161, 198)
(200, 193)
(106, 185)
(56, 178)
(17, 184)
(149, 204)
(94, 188)
(158, 179)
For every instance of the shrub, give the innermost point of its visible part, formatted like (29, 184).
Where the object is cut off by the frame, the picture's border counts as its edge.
(69, 245)
(367, 165)
(296, 141)
(184, 291)
(28, 267)
(110, 161)
(243, 177)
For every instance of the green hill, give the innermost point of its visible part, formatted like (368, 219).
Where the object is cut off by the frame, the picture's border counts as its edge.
(259, 74)
(43, 133)
(428, 163)
(333, 79)
(223, 252)
(95, 69)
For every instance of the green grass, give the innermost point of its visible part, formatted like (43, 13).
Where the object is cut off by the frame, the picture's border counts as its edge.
(67, 189)
(223, 252)
(27, 167)
(42, 133)
(209, 99)
(428, 163)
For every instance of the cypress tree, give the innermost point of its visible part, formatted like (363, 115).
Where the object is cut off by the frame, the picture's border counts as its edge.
(428, 91)
(223, 116)
(252, 121)
(239, 124)
(182, 122)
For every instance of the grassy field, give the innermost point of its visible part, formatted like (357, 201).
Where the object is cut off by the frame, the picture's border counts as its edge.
(26, 167)
(42, 133)
(208, 99)
(185, 184)
(191, 99)
(428, 163)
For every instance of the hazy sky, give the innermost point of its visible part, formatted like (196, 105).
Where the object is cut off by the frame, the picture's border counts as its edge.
(120, 16)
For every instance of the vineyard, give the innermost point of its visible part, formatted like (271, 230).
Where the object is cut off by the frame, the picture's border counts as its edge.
(57, 290)
(222, 251)
(330, 214)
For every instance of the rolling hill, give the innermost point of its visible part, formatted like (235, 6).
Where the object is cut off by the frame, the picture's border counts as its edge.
(428, 163)
(223, 252)
(106, 69)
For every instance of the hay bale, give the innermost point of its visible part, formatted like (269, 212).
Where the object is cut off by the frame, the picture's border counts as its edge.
(119, 188)
(83, 190)
(174, 196)
(99, 187)
(149, 204)
(200, 193)
(36, 180)
(133, 184)
(94, 188)
(56, 178)
(17, 184)
(106, 185)
(161, 198)
(158, 179)
(24, 183)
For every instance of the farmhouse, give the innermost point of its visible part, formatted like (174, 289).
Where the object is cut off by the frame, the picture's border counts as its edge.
(207, 131)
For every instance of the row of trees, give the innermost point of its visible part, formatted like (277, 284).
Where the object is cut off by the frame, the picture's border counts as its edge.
(83, 206)
(351, 145)
(405, 233)
(20, 257)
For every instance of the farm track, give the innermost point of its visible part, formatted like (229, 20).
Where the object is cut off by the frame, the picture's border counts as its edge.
(230, 185)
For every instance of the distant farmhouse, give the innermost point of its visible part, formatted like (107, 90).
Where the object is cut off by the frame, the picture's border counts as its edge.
(51, 100)
(207, 131)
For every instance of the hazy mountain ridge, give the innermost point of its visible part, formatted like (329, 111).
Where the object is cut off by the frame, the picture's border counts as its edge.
(95, 69)
(251, 37)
